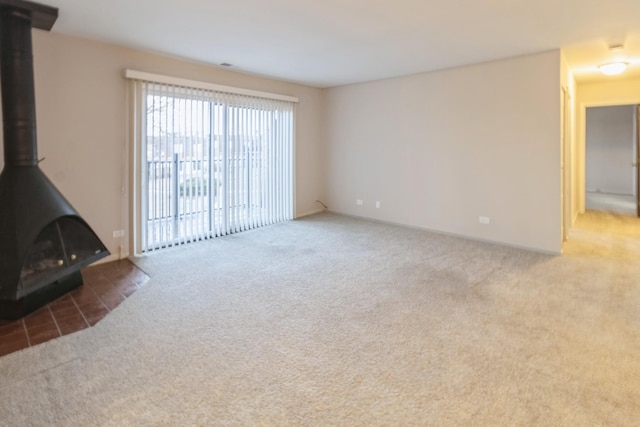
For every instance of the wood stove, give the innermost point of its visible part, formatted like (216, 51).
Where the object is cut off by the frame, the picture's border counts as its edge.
(43, 241)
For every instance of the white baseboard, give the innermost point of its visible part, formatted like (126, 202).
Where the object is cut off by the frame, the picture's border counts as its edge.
(458, 235)
(298, 216)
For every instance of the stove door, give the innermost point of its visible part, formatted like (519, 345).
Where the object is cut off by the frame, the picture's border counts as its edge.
(62, 248)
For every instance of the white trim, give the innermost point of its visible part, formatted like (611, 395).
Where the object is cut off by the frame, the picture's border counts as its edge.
(136, 153)
(306, 214)
(158, 78)
(448, 233)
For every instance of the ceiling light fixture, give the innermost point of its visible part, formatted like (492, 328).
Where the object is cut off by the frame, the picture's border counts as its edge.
(613, 68)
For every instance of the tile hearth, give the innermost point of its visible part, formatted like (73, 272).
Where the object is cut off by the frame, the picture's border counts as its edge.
(105, 287)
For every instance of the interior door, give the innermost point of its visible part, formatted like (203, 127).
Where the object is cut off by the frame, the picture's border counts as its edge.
(638, 161)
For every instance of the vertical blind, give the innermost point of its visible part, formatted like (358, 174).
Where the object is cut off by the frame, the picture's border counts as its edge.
(210, 163)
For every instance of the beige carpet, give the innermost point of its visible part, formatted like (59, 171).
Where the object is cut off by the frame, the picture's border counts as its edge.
(337, 321)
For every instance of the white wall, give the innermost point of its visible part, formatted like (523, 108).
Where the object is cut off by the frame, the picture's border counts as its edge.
(610, 143)
(617, 91)
(440, 149)
(82, 115)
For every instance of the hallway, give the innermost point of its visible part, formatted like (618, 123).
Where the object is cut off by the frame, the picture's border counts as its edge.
(605, 233)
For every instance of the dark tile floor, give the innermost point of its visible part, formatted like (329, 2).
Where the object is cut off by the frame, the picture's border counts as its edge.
(105, 286)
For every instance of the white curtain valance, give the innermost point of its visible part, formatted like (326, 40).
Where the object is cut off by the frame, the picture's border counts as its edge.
(176, 81)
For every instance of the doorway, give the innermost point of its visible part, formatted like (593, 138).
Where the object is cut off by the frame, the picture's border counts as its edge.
(611, 166)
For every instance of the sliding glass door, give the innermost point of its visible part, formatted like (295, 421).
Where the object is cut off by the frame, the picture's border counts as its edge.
(211, 164)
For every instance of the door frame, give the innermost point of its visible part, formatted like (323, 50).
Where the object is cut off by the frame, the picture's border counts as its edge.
(581, 161)
(565, 163)
(634, 158)
(637, 159)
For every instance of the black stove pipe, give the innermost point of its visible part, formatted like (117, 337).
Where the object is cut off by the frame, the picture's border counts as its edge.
(19, 121)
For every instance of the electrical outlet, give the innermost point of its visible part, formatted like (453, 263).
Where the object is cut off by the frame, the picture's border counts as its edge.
(377, 204)
(359, 202)
(484, 220)
(118, 233)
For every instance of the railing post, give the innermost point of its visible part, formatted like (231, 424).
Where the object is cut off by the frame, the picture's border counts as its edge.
(176, 192)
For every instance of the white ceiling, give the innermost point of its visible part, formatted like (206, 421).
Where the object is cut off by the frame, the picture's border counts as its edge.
(334, 42)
